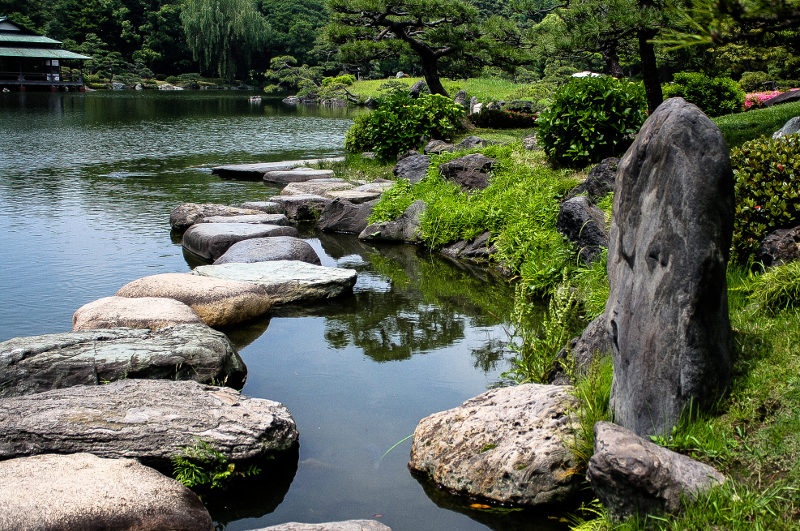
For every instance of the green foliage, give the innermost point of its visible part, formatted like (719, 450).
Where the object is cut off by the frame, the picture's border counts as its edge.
(715, 96)
(753, 81)
(767, 188)
(537, 339)
(284, 75)
(778, 288)
(742, 126)
(593, 391)
(591, 118)
(401, 123)
(345, 79)
(200, 465)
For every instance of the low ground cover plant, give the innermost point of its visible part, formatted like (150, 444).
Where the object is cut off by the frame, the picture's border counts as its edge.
(715, 96)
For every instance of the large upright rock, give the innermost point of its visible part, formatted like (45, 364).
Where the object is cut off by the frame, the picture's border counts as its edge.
(668, 250)
(149, 420)
(83, 491)
(183, 352)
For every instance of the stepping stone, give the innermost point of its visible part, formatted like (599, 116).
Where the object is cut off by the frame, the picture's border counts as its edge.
(267, 249)
(148, 420)
(218, 302)
(211, 240)
(256, 171)
(287, 280)
(83, 491)
(296, 175)
(305, 207)
(254, 219)
(145, 312)
(316, 187)
(184, 216)
(354, 196)
(269, 207)
(183, 352)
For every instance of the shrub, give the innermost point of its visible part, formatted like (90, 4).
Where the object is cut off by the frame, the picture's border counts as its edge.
(767, 187)
(590, 119)
(753, 81)
(400, 123)
(346, 80)
(778, 288)
(757, 99)
(715, 96)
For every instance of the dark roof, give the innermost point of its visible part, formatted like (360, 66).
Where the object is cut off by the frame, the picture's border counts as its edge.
(19, 41)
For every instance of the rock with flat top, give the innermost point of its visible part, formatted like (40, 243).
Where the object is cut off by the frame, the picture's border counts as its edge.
(254, 219)
(211, 240)
(631, 475)
(82, 491)
(148, 420)
(268, 249)
(256, 171)
(184, 216)
(286, 280)
(218, 302)
(296, 175)
(316, 187)
(145, 312)
(269, 207)
(345, 216)
(403, 229)
(302, 207)
(507, 445)
(183, 352)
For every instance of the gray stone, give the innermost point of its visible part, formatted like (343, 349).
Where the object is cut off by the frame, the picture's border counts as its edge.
(354, 196)
(183, 352)
(471, 172)
(124, 312)
(269, 207)
(211, 240)
(584, 224)
(413, 168)
(581, 351)
(266, 249)
(148, 420)
(420, 87)
(345, 217)
(306, 207)
(286, 280)
(316, 187)
(507, 445)
(218, 302)
(347, 525)
(477, 250)
(472, 142)
(403, 229)
(668, 249)
(436, 147)
(790, 127)
(378, 185)
(531, 143)
(632, 475)
(779, 247)
(256, 171)
(599, 182)
(184, 216)
(253, 219)
(296, 175)
(82, 491)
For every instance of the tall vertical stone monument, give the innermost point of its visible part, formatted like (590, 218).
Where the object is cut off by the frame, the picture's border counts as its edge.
(668, 250)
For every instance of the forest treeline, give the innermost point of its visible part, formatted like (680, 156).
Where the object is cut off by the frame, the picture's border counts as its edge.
(522, 40)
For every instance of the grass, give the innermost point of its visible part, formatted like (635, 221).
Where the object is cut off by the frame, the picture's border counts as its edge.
(485, 89)
(741, 127)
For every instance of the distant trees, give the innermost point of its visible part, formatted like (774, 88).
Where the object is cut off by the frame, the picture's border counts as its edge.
(223, 35)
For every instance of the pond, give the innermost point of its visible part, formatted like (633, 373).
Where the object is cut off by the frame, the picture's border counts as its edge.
(87, 182)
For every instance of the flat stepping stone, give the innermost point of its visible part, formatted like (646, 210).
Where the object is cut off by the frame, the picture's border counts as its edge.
(218, 302)
(257, 170)
(184, 352)
(302, 207)
(267, 249)
(83, 491)
(148, 420)
(269, 207)
(253, 219)
(287, 280)
(316, 187)
(184, 216)
(508, 445)
(145, 312)
(211, 240)
(354, 196)
(379, 186)
(296, 175)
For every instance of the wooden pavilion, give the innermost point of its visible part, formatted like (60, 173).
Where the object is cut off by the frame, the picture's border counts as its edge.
(29, 61)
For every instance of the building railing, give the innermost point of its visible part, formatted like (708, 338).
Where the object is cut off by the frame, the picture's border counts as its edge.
(40, 77)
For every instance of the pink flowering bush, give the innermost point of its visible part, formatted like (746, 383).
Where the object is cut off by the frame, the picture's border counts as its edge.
(757, 99)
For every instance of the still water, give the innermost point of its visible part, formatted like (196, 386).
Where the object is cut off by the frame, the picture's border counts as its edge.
(87, 182)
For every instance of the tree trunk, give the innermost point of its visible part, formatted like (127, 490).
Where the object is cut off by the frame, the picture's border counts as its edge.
(647, 54)
(611, 58)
